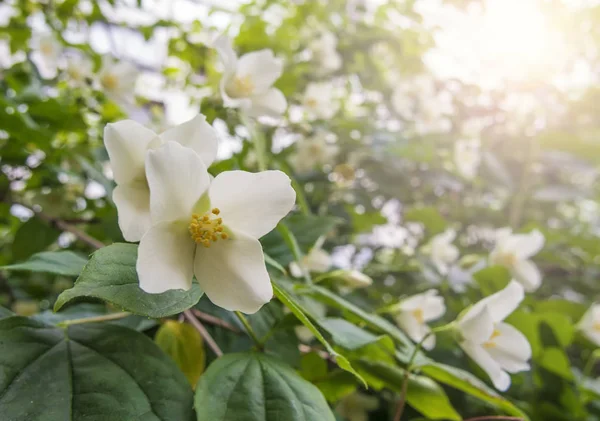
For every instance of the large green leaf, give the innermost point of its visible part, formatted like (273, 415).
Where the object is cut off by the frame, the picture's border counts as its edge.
(468, 383)
(31, 237)
(91, 371)
(110, 275)
(65, 263)
(257, 387)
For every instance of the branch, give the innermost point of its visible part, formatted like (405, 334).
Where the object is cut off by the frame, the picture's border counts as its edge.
(215, 321)
(203, 332)
(402, 401)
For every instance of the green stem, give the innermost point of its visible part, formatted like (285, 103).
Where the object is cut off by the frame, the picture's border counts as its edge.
(249, 330)
(106, 317)
(292, 243)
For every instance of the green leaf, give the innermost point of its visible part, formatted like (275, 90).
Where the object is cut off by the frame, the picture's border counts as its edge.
(470, 384)
(300, 314)
(373, 321)
(556, 361)
(430, 217)
(110, 275)
(492, 279)
(65, 263)
(259, 388)
(348, 335)
(4, 312)
(313, 367)
(364, 222)
(422, 393)
(33, 236)
(83, 372)
(184, 344)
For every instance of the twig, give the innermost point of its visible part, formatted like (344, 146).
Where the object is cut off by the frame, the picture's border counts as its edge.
(208, 318)
(62, 225)
(249, 329)
(104, 318)
(402, 401)
(496, 418)
(203, 332)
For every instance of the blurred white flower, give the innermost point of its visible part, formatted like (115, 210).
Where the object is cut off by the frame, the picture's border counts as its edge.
(314, 151)
(78, 69)
(247, 81)
(467, 158)
(317, 260)
(356, 406)
(210, 229)
(127, 143)
(442, 252)
(497, 347)
(353, 278)
(48, 47)
(324, 50)
(413, 313)
(513, 251)
(319, 100)
(117, 79)
(589, 324)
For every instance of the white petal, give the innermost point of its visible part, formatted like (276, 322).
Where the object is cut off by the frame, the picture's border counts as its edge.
(262, 67)
(527, 273)
(271, 103)
(503, 302)
(126, 143)
(434, 308)
(233, 274)
(177, 178)
(225, 50)
(511, 350)
(477, 326)
(317, 260)
(414, 329)
(252, 203)
(588, 323)
(529, 244)
(133, 208)
(243, 103)
(195, 134)
(166, 258)
(499, 377)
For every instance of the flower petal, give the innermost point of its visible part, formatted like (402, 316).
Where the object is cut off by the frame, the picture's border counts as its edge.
(512, 350)
(528, 245)
(503, 302)
(225, 50)
(262, 67)
(195, 134)
(177, 178)
(252, 203)
(499, 377)
(477, 326)
(414, 329)
(271, 103)
(166, 258)
(133, 208)
(527, 273)
(233, 273)
(126, 143)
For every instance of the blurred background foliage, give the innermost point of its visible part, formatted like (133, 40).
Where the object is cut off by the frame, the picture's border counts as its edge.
(414, 82)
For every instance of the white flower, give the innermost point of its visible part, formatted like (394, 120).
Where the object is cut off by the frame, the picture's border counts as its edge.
(49, 49)
(356, 406)
(353, 278)
(324, 50)
(413, 313)
(210, 229)
(247, 81)
(497, 347)
(589, 324)
(443, 253)
(313, 151)
(127, 143)
(317, 260)
(78, 69)
(319, 100)
(513, 252)
(467, 158)
(117, 79)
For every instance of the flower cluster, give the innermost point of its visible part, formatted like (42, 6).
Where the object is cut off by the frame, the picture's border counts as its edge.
(190, 224)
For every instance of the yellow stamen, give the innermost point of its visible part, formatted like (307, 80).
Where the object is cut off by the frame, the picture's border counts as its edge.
(110, 81)
(418, 314)
(206, 230)
(596, 326)
(240, 86)
(506, 259)
(311, 102)
(491, 343)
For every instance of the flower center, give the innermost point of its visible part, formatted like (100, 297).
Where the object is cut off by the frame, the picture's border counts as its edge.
(491, 343)
(506, 259)
(418, 314)
(241, 86)
(110, 81)
(47, 49)
(596, 326)
(207, 228)
(311, 102)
